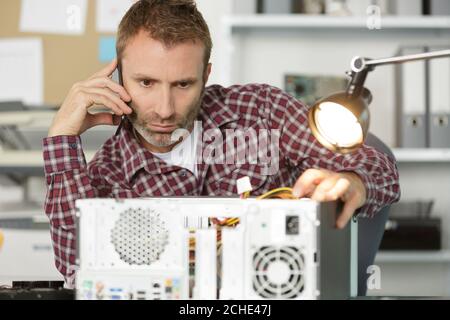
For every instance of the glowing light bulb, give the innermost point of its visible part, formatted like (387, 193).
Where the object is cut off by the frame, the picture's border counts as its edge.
(338, 125)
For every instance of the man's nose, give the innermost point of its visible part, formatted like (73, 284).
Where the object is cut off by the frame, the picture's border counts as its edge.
(165, 107)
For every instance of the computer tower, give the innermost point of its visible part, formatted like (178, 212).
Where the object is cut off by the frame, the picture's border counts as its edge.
(213, 248)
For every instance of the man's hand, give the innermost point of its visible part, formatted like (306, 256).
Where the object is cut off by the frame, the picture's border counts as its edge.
(73, 117)
(326, 185)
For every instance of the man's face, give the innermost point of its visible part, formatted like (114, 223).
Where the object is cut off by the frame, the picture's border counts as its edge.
(166, 86)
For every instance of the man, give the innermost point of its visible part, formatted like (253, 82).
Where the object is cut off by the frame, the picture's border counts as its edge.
(163, 49)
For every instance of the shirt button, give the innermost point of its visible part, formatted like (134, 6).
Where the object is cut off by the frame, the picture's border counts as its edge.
(73, 145)
(183, 174)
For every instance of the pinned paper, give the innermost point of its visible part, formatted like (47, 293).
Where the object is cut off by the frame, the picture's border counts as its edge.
(109, 13)
(21, 66)
(53, 16)
(107, 49)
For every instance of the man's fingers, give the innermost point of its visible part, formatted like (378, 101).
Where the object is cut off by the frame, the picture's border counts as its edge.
(106, 71)
(339, 189)
(308, 182)
(108, 83)
(347, 212)
(100, 98)
(103, 118)
(106, 92)
(321, 191)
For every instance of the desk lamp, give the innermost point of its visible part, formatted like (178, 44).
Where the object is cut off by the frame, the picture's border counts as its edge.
(340, 122)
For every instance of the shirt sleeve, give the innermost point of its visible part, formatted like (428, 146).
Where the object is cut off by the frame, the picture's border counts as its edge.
(67, 180)
(301, 149)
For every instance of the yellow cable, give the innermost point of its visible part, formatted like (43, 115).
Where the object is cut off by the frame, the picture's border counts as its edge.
(278, 190)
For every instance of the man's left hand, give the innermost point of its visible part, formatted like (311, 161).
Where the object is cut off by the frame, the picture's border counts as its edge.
(325, 185)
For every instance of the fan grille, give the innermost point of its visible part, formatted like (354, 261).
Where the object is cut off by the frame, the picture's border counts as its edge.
(270, 285)
(139, 236)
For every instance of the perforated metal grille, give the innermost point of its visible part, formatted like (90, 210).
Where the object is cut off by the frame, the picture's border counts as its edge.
(139, 236)
(278, 272)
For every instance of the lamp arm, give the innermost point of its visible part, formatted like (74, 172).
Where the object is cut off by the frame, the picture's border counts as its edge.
(358, 64)
(362, 66)
(411, 57)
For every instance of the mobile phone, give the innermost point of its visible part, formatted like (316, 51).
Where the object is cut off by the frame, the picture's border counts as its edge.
(117, 76)
(119, 73)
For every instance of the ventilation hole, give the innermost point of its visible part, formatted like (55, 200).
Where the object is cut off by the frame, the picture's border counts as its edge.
(139, 236)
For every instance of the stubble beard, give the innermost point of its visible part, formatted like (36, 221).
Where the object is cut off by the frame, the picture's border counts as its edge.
(159, 139)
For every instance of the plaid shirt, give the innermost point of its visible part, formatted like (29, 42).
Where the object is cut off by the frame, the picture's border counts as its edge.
(124, 169)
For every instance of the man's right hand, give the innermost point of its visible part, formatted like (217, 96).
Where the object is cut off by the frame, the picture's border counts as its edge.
(73, 117)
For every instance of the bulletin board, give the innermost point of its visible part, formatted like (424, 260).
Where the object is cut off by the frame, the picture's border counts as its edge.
(67, 58)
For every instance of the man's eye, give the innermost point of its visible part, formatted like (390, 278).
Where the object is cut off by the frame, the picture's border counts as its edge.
(146, 83)
(183, 85)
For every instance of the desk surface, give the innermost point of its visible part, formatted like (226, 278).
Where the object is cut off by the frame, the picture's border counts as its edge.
(67, 294)
(37, 294)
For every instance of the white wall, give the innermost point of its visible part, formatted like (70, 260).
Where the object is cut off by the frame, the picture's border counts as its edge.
(213, 11)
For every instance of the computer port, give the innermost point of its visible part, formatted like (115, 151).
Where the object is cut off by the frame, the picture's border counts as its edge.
(292, 225)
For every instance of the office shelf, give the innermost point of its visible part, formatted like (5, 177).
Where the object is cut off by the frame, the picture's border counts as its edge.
(441, 256)
(28, 162)
(422, 155)
(330, 22)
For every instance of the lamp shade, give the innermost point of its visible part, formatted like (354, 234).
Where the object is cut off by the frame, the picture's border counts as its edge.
(341, 121)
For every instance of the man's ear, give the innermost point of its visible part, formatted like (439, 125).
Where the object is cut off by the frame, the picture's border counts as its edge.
(207, 73)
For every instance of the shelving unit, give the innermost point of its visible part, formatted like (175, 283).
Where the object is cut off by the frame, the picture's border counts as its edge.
(407, 155)
(321, 21)
(442, 256)
(28, 162)
(241, 24)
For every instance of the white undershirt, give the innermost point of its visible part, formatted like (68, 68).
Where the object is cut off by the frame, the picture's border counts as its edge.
(182, 155)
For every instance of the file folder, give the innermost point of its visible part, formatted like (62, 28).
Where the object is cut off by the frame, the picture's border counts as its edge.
(440, 7)
(407, 7)
(439, 76)
(414, 117)
(274, 7)
(244, 7)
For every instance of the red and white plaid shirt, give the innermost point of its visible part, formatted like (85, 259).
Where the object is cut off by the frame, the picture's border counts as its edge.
(122, 168)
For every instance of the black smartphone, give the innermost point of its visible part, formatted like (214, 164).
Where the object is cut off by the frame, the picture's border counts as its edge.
(119, 78)
(119, 73)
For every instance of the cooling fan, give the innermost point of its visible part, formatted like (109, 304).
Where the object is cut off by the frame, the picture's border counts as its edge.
(278, 273)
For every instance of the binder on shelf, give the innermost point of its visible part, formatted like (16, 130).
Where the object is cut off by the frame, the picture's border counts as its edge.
(360, 7)
(413, 115)
(274, 7)
(244, 6)
(407, 7)
(439, 76)
(440, 7)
